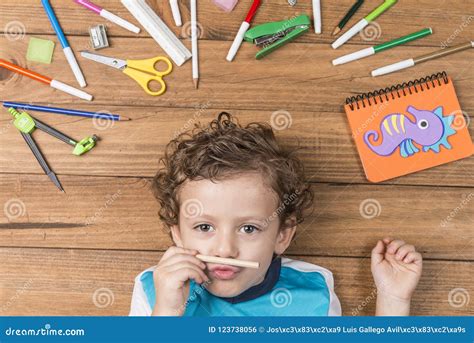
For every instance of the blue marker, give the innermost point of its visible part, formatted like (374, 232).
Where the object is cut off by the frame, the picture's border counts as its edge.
(64, 43)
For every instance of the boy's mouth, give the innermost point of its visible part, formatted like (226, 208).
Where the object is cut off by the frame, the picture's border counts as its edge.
(223, 272)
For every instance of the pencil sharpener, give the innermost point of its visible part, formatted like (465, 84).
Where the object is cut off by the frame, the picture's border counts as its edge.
(98, 36)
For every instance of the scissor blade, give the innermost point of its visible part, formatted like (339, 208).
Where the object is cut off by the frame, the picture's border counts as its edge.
(110, 61)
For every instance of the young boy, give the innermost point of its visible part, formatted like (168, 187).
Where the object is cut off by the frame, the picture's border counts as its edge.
(232, 192)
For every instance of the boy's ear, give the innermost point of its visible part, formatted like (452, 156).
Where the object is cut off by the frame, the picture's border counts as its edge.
(285, 236)
(176, 235)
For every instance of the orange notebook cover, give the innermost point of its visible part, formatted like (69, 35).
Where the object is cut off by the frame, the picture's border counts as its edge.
(409, 127)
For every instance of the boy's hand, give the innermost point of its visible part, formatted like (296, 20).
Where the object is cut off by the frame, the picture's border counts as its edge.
(396, 267)
(171, 278)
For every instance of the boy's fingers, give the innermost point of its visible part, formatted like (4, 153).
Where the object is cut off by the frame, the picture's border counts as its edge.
(394, 245)
(377, 253)
(186, 264)
(387, 240)
(177, 250)
(183, 257)
(403, 251)
(185, 274)
(413, 256)
(188, 272)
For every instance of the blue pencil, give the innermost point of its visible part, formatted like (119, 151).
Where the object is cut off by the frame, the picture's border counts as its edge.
(64, 43)
(87, 114)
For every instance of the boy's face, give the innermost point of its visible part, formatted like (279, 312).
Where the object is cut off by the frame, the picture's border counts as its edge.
(232, 218)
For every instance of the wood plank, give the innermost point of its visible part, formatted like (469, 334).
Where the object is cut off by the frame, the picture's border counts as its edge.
(121, 213)
(401, 19)
(301, 77)
(326, 146)
(65, 281)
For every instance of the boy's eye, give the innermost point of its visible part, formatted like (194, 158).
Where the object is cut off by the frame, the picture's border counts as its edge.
(249, 229)
(204, 228)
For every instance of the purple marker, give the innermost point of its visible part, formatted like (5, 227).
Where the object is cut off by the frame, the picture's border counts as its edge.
(108, 15)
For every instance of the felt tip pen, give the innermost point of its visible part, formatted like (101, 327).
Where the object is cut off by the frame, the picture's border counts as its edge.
(363, 23)
(239, 37)
(71, 59)
(381, 47)
(420, 59)
(46, 80)
(176, 13)
(108, 15)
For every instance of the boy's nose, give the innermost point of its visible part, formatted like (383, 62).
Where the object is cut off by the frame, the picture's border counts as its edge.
(226, 247)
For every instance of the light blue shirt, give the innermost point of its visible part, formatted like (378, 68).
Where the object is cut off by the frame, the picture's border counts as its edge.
(290, 288)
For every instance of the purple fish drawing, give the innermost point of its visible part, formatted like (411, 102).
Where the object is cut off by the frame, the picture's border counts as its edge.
(429, 131)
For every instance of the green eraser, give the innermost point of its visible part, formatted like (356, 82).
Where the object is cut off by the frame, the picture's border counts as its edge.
(40, 50)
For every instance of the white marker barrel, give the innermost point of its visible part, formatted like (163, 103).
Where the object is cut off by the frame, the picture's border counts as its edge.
(74, 66)
(349, 34)
(354, 56)
(176, 14)
(70, 90)
(237, 41)
(119, 21)
(393, 67)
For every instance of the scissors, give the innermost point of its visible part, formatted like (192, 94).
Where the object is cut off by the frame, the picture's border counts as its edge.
(142, 71)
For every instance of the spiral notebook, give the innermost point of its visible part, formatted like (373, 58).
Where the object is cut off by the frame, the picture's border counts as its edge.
(409, 127)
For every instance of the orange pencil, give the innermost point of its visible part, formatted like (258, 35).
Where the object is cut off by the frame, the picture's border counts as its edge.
(46, 80)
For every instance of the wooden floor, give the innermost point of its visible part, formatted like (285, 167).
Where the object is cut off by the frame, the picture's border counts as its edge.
(78, 253)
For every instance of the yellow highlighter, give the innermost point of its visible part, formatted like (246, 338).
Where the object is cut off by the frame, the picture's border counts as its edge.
(142, 71)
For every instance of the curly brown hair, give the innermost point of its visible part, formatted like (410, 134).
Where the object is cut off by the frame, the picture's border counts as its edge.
(225, 148)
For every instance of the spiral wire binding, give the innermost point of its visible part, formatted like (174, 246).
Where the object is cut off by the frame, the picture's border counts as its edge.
(384, 94)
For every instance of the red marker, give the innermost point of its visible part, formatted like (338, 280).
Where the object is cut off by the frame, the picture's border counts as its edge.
(241, 33)
(44, 79)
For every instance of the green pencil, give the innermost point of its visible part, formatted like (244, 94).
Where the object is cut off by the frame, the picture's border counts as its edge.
(348, 16)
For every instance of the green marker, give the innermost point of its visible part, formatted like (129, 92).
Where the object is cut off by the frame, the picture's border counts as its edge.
(363, 23)
(381, 47)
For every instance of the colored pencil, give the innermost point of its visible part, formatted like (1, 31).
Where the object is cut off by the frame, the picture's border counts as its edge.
(65, 111)
(347, 17)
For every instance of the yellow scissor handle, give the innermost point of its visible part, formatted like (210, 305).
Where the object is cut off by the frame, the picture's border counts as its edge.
(144, 71)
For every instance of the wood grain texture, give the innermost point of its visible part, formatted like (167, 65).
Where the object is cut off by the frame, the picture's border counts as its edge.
(323, 138)
(64, 281)
(57, 250)
(121, 213)
(300, 78)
